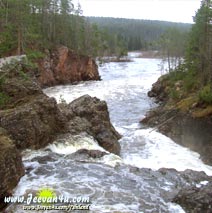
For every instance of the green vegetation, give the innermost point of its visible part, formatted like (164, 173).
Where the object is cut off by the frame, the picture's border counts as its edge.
(198, 58)
(189, 84)
(13, 76)
(34, 54)
(205, 94)
(174, 94)
(3, 99)
(172, 45)
(31, 26)
(139, 34)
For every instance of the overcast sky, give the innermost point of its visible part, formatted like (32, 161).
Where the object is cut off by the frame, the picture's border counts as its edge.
(168, 10)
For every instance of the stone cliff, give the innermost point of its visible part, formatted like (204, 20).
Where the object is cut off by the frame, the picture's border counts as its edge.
(62, 66)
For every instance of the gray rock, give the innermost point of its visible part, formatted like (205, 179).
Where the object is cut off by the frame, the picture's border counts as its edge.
(11, 167)
(195, 199)
(91, 115)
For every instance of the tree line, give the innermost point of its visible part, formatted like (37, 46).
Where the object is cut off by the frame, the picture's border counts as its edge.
(29, 25)
(139, 34)
(198, 59)
(194, 68)
(199, 51)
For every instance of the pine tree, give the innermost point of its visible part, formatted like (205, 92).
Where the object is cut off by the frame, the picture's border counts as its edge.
(199, 52)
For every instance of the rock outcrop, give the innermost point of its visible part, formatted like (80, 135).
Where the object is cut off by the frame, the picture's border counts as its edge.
(196, 199)
(84, 153)
(30, 117)
(87, 114)
(11, 167)
(178, 120)
(63, 66)
(194, 133)
(158, 90)
(33, 119)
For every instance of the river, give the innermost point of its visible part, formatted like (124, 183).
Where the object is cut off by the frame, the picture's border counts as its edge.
(112, 183)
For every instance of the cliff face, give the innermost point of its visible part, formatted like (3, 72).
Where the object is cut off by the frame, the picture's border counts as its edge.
(63, 66)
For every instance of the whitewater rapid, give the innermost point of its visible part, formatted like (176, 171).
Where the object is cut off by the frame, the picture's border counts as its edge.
(124, 87)
(112, 182)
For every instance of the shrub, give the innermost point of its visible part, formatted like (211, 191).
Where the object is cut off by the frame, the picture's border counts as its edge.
(2, 79)
(23, 75)
(205, 95)
(190, 82)
(34, 55)
(174, 94)
(3, 99)
(177, 75)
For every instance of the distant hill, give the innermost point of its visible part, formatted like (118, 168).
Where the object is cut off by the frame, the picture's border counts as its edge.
(136, 33)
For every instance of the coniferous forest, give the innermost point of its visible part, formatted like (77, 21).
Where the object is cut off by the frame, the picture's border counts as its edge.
(195, 70)
(138, 34)
(29, 25)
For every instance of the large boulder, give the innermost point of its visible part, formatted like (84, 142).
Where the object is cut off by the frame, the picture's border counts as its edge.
(33, 124)
(11, 167)
(87, 114)
(62, 66)
(30, 117)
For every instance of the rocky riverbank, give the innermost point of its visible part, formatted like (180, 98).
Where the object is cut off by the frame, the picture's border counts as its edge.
(30, 120)
(184, 120)
(188, 123)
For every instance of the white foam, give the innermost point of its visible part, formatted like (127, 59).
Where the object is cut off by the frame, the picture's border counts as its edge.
(119, 207)
(160, 151)
(29, 154)
(175, 208)
(205, 182)
(111, 160)
(73, 144)
(202, 183)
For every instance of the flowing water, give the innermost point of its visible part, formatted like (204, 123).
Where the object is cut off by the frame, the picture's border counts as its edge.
(111, 183)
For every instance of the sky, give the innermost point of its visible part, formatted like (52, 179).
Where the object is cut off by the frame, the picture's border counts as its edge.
(165, 10)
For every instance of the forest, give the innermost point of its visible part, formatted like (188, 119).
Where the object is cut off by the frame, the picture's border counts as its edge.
(30, 26)
(194, 72)
(138, 34)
